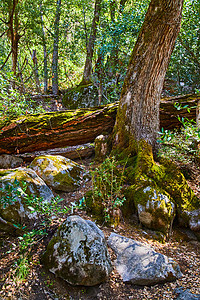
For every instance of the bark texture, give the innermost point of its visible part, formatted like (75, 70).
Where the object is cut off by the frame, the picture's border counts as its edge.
(90, 44)
(56, 129)
(67, 128)
(138, 113)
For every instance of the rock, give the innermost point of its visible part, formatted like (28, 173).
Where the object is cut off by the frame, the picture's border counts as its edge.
(10, 161)
(59, 172)
(85, 95)
(155, 208)
(194, 219)
(101, 147)
(186, 295)
(140, 264)
(14, 208)
(78, 253)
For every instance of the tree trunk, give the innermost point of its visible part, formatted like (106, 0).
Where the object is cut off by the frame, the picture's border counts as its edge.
(90, 44)
(13, 25)
(45, 51)
(138, 113)
(55, 50)
(36, 73)
(66, 128)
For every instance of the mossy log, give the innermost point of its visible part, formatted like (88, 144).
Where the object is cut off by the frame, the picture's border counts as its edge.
(75, 127)
(55, 129)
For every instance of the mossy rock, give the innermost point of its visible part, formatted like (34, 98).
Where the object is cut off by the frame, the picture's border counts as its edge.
(78, 254)
(81, 96)
(94, 206)
(58, 172)
(166, 176)
(156, 209)
(14, 207)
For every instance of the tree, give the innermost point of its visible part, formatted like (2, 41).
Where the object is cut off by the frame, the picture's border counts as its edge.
(55, 50)
(138, 113)
(90, 44)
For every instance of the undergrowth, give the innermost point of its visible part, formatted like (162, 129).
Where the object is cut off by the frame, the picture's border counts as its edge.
(107, 184)
(45, 211)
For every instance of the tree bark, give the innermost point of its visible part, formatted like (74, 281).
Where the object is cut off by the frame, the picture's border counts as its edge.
(13, 28)
(138, 113)
(90, 44)
(44, 51)
(55, 50)
(67, 128)
(36, 73)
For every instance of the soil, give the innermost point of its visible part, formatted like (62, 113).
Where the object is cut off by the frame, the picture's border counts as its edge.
(183, 246)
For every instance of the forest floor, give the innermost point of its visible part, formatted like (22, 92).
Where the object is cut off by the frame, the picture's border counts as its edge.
(40, 284)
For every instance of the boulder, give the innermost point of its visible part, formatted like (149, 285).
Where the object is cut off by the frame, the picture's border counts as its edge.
(186, 295)
(78, 253)
(139, 264)
(14, 208)
(155, 208)
(59, 172)
(10, 161)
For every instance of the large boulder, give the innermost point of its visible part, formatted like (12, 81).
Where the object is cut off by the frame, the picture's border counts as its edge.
(140, 264)
(15, 187)
(59, 172)
(78, 253)
(155, 208)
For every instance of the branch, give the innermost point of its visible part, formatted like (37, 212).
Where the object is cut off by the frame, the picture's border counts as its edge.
(6, 60)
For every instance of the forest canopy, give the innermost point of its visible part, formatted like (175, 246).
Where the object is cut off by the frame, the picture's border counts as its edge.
(47, 42)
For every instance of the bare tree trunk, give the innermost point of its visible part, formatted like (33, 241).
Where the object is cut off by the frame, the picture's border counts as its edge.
(45, 52)
(138, 113)
(55, 50)
(13, 25)
(90, 44)
(37, 80)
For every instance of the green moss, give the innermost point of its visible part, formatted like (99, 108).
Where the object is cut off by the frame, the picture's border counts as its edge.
(83, 95)
(95, 207)
(162, 176)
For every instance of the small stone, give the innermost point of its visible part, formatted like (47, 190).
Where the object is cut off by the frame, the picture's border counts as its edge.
(10, 161)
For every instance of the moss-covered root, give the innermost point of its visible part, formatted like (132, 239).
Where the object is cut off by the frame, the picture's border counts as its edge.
(165, 178)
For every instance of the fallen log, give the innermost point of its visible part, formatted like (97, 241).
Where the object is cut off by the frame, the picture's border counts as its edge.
(75, 127)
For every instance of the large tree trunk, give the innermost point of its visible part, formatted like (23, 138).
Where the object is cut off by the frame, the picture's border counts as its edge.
(138, 113)
(66, 128)
(90, 44)
(55, 50)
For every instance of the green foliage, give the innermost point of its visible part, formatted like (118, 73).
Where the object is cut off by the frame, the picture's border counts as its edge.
(46, 211)
(107, 184)
(12, 102)
(180, 145)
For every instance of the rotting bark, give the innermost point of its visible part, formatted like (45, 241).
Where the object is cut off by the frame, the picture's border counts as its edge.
(56, 129)
(74, 127)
